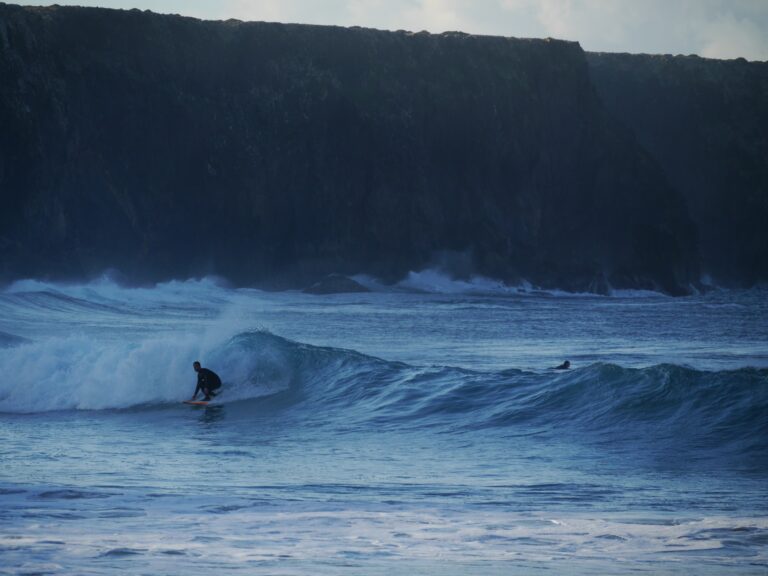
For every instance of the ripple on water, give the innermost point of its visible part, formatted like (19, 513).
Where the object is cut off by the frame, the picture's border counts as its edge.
(56, 514)
(7, 491)
(69, 494)
(121, 513)
(119, 552)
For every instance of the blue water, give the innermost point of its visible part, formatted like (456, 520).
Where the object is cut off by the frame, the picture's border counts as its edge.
(417, 429)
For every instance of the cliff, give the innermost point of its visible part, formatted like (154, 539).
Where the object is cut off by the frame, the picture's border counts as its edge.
(706, 123)
(168, 147)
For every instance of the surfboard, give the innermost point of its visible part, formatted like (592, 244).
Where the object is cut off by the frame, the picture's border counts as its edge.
(202, 402)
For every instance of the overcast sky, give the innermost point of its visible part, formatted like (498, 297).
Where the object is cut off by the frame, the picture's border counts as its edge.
(711, 28)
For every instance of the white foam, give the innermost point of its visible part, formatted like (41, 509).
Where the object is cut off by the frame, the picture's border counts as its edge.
(85, 373)
(137, 351)
(437, 281)
(106, 289)
(435, 538)
(78, 372)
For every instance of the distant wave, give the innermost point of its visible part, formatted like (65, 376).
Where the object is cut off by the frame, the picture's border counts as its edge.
(438, 281)
(107, 292)
(434, 280)
(55, 301)
(664, 403)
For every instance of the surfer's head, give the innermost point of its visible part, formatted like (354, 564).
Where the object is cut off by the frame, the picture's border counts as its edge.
(196, 366)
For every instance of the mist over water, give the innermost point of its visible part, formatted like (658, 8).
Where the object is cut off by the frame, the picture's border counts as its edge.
(420, 423)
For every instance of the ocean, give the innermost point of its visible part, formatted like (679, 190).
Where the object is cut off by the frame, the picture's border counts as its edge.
(414, 429)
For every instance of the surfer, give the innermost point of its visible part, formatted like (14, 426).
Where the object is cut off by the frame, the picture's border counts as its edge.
(564, 366)
(207, 382)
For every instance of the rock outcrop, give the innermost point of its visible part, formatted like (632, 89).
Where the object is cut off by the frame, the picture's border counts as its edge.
(273, 154)
(706, 123)
(335, 284)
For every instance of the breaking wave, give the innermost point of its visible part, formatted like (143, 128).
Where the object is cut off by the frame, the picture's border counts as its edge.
(666, 404)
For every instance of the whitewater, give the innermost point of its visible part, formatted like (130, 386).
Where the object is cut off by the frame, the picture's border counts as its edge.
(414, 429)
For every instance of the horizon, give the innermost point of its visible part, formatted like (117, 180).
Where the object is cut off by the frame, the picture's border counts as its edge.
(710, 29)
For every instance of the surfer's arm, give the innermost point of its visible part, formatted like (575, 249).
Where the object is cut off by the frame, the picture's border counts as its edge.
(201, 380)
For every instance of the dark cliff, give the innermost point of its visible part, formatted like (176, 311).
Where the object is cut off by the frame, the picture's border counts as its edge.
(167, 147)
(706, 123)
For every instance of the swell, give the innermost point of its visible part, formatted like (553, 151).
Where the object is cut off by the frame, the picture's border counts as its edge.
(105, 296)
(48, 301)
(671, 404)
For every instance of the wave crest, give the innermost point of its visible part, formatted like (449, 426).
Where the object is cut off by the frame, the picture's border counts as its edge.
(668, 403)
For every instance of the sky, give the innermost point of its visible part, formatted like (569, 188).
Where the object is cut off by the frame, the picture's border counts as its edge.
(709, 28)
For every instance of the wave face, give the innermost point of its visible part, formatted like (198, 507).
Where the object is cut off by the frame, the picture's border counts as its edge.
(664, 403)
(8, 340)
(103, 347)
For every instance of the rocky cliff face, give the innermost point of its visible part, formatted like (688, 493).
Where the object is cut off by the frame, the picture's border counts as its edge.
(167, 147)
(706, 123)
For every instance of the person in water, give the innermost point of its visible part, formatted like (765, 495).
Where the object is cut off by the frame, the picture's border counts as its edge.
(564, 366)
(207, 382)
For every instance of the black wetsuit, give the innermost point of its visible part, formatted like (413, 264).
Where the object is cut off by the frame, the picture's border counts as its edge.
(207, 382)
